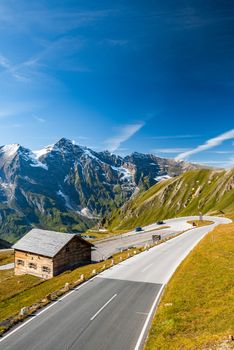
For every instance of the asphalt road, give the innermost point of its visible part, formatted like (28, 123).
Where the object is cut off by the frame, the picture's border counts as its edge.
(107, 247)
(111, 311)
(7, 266)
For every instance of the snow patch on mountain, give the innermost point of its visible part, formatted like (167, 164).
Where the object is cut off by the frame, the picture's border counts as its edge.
(43, 151)
(125, 174)
(89, 154)
(162, 178)
(10, 150)
(9, 189)
(35, 163)
(66, 199)
(87, 213)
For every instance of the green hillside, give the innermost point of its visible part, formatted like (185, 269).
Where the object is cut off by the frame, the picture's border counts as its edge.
(208, 191)
(197, 308)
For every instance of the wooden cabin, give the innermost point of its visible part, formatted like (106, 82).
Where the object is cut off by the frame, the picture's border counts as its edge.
(48, 253)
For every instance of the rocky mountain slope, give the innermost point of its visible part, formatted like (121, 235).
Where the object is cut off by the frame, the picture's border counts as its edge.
(69, 187)
(206, 191)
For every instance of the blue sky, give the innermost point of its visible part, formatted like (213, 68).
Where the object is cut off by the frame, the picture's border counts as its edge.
(148, 76)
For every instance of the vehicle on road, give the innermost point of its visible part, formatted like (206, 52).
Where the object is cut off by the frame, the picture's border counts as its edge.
(160, 222)
(138, 229)
(156, 238)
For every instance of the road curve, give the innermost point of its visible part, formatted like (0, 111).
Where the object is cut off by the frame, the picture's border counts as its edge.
(108, 246)
(111, 311)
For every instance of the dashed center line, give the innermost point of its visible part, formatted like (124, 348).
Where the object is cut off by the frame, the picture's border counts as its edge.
(98, 312)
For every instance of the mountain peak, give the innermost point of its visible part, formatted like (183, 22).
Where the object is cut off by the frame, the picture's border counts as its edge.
(67, 144)
(11, 149)
(64, 141)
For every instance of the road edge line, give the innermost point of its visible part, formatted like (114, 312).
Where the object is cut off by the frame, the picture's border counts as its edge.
(25, 322)
(148, 319)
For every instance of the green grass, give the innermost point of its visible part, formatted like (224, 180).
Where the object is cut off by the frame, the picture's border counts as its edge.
(20, 291)
(197, 308)
(6, 257)
(4, 275)
(203, 190)
(12, 285)
(200, 223)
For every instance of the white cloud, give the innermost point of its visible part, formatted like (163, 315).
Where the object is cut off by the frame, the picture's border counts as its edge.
(216, 141)
(222, 152)
(229, 163)
(42, 18)
(169, 137)
(125, 133)
(170, 150)
(12, 69)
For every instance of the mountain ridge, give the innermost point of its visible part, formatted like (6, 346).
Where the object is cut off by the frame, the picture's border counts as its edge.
(197, 191)
(69, 187)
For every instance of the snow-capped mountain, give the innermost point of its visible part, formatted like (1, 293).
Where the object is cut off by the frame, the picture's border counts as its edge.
(66, 186)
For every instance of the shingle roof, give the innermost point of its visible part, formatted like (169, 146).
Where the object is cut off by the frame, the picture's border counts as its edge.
(42, 242)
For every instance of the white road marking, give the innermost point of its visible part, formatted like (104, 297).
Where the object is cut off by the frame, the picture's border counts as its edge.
(138, 344)
(45, 309)
(146, 268)
(98, 312)
(225, 221)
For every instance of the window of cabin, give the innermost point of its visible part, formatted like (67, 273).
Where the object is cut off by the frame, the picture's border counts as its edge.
(32, 265)
(46, 269)
(67, 249)
(20, 262)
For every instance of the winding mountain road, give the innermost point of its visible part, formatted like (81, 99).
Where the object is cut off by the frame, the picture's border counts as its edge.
(108, 246)
(114, 309)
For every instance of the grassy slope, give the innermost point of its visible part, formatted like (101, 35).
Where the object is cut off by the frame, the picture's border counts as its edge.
(197, 309)
(11, 285)
(25, 290)
(6, 257)
(200, 223)
(206, 190)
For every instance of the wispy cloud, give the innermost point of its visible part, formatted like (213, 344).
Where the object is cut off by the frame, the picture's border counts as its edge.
(222, 152)
(124, 134)
(114, 42)
(41, 17)
(56, 54)
(10, 126)
(171, 137)
(12, 69)
(229, 163)
(7, 111)
(170, 150)
(216, 141)
(39, 119)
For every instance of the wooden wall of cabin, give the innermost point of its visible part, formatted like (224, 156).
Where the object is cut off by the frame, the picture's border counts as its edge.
(74, 254)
